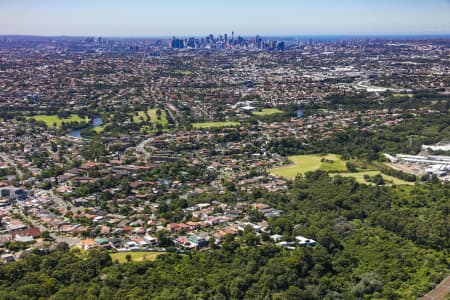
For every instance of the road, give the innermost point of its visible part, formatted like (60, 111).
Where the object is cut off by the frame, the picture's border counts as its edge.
(26, 216)
(71, 241)
(141, 149)
(5, 158)
(440, 291)
(173, 112)
(58, 200)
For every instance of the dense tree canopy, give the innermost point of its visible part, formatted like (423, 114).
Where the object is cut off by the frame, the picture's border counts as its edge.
(373, 242)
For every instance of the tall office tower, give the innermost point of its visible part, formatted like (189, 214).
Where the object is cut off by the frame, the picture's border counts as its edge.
(191, 42)
(177, 43)
(281, 46)
(258, 42)
(240, 40)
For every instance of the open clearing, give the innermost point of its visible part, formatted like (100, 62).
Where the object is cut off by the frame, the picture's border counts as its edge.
(331, 163)
(267, 112)
(215, 124)
(140, 117)
(151, 113)
(135, 256)
(359, 177)
(99, 129)
(183, 72)
(51, 120)
(154, 117)
(307, 163)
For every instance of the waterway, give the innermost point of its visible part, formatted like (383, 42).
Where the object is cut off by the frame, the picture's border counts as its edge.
(76, 133)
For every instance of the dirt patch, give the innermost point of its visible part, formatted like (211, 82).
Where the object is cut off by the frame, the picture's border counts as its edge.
(415, 170)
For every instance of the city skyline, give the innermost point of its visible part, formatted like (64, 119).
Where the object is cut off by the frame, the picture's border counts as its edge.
(175, 18)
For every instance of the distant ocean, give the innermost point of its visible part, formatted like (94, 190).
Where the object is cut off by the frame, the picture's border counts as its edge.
(291, 38)
(327, 38)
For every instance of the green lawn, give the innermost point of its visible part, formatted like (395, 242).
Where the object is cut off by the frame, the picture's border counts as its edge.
(184, 73)
(215, 124)
(403, 95)
(151, 113)
(140, 117)
(267, 112)
(333, 164)
(153, 117)
(51, 120)
(388, 179)
(306, 163)
(99, 129)
(135, 256)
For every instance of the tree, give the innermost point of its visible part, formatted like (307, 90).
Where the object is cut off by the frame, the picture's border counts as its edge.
(378, 179)
(62, 246)
(249, 237)
(45, 235)
(351, 167)
(158, 114)
(159, 128)
(368, 284)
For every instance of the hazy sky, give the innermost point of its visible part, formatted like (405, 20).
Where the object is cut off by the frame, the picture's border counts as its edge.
(247, 17)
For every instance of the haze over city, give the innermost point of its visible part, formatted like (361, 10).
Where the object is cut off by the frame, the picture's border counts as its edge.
(138, 18)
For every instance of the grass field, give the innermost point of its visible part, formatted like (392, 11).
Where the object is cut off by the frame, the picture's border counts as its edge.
(215, 124)
(184, 73)
(99, 129)
(359, 177)
(306, 163)
(403, 95)
(163, 121)
(267, 112)
(135, 256)
(51, 120)
(151, 113)
(140, 117)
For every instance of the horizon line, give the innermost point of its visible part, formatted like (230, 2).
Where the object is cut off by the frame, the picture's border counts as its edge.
(169, 36)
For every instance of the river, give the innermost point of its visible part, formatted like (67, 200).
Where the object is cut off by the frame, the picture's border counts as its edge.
(76, 133)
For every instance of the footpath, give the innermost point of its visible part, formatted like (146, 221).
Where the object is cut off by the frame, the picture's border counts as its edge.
(440, 291)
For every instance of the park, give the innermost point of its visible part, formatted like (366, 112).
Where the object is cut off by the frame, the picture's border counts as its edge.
(207, 125)
(333, 164)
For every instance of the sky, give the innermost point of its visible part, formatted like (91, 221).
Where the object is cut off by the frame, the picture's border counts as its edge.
(157, 18)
